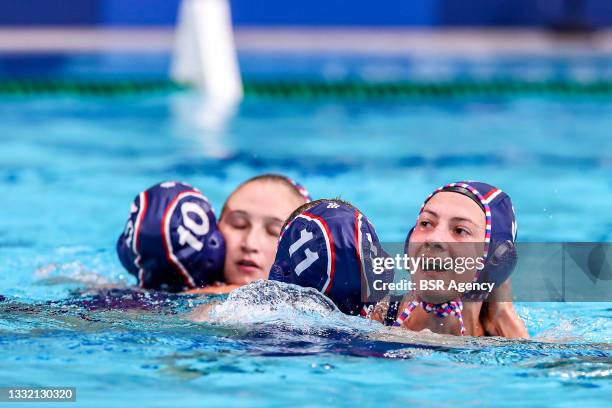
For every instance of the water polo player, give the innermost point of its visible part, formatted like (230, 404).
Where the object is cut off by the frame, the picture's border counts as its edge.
(171, 241)
(466, 218)
(251, 222)
(248, 229)
(329, 245)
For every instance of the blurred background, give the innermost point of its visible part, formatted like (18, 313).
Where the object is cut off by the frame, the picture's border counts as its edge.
(419, 13)
(376, 102)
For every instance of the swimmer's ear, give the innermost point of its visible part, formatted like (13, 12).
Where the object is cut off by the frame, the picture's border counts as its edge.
(500, 263)
(127, 247)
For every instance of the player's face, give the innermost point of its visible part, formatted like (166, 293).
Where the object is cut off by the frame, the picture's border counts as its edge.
(451, 226)
(251, 225)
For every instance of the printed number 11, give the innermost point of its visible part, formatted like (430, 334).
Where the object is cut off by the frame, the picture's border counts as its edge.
(311, 256)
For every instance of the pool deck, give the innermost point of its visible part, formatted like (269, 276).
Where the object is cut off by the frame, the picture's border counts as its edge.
(320, 40)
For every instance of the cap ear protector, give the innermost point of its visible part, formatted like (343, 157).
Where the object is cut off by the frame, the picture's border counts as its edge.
(500, 231)
(500, 262)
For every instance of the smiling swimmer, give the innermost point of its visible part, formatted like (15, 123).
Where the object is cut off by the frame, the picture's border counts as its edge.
(469, 219)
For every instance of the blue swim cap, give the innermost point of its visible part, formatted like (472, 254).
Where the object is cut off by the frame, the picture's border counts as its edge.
(330, 247)
(500, 231)
(171, 241)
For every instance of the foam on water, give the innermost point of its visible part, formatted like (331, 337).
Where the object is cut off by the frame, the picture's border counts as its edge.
(268, 301)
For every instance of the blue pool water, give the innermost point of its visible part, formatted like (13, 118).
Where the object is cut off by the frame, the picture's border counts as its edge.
(70, 166)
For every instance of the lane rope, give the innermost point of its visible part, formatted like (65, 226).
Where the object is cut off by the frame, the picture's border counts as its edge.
(354, 90)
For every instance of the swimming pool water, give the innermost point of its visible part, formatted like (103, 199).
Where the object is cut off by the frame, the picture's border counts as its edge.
(70, 166)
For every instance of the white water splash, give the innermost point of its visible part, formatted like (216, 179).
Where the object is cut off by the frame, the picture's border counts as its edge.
(289, 306)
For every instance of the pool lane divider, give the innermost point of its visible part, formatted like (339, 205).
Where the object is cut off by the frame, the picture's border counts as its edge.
(305, 90)
(80, 87)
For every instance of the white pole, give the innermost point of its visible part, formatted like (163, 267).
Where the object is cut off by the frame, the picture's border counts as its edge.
(204, 49)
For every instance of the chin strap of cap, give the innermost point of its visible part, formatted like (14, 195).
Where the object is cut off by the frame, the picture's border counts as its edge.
(442, 310)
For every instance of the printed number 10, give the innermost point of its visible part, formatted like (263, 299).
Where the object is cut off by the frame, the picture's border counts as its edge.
(190, 226)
